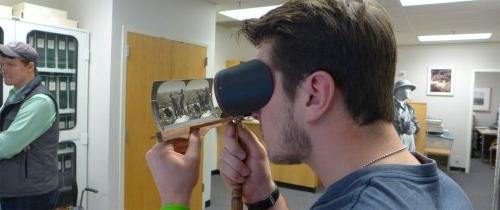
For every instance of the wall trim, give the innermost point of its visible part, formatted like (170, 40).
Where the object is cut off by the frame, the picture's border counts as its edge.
(469, 117)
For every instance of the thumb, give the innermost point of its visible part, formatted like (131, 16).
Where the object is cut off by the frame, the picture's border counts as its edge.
(250, 141)
(193, 150)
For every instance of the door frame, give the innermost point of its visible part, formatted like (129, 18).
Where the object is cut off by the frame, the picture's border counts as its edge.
(124, 51)
(469, 132)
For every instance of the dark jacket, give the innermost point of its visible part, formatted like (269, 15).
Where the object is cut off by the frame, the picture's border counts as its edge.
(33, 171)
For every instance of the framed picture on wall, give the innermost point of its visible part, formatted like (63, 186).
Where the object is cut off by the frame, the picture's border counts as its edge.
(481, 99)
(440, 81)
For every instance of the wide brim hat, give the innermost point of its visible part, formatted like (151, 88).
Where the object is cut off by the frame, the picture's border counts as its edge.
(404, 83)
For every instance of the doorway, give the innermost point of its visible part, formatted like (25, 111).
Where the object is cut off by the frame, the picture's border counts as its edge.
(485, 102)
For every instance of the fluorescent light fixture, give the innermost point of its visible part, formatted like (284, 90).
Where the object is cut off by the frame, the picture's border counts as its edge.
(243, 14)
(454, 37)
(424, 2)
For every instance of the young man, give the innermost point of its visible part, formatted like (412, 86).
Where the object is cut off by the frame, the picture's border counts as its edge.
(333, 63)
(29, 134)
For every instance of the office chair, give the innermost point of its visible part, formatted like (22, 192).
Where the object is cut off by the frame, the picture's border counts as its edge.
(493, 150)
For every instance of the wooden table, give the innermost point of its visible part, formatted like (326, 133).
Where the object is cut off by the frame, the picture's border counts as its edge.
(486, 136)
(441, 149)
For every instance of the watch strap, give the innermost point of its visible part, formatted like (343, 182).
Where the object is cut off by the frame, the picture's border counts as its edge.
(267, 203)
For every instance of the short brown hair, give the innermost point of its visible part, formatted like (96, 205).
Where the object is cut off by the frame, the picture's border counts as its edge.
(26, 62)
(351, 40)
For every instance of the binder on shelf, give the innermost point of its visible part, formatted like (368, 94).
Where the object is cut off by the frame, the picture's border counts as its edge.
(71, 120)
(63, 92)
(67, 164)
(31, 39)
(40, 49)
(72, 47)
(44, 79)
(52, 85)
(61, 51)
(59, 163)
(62, 121)
(51, 50)
(72, 92)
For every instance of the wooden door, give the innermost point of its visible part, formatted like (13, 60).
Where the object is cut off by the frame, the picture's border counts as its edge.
(151, 58)
(188, 61)
(421, 113)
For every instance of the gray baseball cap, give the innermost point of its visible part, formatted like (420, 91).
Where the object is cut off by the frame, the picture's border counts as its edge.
(17, 49)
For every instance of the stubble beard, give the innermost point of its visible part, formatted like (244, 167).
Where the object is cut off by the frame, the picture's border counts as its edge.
(293, 145)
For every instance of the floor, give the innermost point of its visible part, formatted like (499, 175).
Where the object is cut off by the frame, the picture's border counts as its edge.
(296, 199)
(477, 184)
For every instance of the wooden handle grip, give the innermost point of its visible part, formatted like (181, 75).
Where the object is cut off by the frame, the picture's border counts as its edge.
(237, 189)
(236, 202)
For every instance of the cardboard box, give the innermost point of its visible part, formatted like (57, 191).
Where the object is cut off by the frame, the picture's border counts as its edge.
(5, 11)
(33, 11)
(43, 15)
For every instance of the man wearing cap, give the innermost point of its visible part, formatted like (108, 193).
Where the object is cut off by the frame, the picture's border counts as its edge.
(405, 121)
(29, 134)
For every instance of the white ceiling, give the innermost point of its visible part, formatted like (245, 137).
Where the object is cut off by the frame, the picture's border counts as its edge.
(480, 16)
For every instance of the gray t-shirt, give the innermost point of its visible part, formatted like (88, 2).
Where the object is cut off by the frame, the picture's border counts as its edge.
(395, 187)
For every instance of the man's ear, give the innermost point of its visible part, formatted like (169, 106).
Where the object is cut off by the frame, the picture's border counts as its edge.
(319, 89)
(31, 65)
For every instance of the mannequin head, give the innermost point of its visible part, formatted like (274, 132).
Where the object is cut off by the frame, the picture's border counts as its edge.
(403, 93)
(403, 90)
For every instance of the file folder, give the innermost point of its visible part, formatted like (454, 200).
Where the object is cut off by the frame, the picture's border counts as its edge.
(44, 79)
(72, 47)
(63, 92)
(40, 49)
(61, 52)
(72, 92)
(53, 85)
(31, 39)
(51, 50)
(71, 120)
(62, 121)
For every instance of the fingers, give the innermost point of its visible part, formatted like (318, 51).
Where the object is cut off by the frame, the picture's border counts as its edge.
(193, 150)
(154, 154)
(232, 168)
(251, 143)
(231, 142)
(229, 182)
(233, 165)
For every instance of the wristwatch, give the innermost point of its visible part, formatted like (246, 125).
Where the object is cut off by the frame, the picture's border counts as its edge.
(267, 203)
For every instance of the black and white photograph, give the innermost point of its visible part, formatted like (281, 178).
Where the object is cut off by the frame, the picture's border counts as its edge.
(178, 102)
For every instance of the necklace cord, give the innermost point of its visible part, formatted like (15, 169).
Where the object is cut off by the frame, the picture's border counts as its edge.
(383, 157)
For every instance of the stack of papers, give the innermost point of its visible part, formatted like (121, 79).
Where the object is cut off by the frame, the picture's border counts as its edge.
(434, 125)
